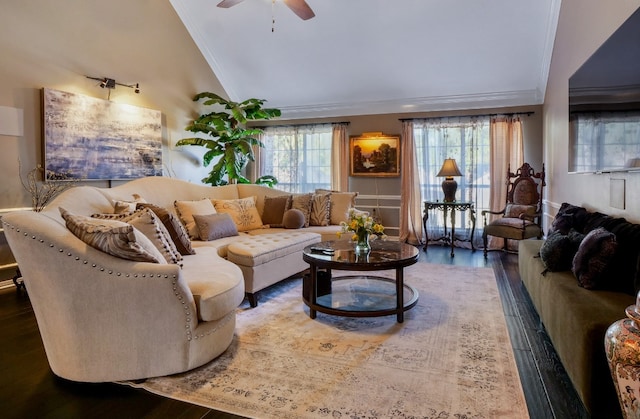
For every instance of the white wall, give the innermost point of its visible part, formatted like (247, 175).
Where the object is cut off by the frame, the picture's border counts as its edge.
(55, 44)
(583, 26)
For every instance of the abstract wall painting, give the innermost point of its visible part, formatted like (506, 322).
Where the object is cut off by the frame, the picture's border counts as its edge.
(95, 139)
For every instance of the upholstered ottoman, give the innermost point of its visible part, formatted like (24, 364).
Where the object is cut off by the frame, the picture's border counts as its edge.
(268, 258)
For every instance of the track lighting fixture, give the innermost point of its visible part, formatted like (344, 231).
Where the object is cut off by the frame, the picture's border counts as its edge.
(108, 83)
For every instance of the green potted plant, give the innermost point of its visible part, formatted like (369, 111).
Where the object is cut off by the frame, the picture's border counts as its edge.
(231, 140)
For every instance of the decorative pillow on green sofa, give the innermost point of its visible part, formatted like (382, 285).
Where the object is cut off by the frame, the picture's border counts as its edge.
(594, 254)
(558, 251)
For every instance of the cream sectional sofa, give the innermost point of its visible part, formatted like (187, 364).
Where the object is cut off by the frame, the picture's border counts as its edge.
(105, 318)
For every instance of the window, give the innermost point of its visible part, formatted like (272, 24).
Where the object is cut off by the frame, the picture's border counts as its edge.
(604, 141)
(467, 141)
(298, 156)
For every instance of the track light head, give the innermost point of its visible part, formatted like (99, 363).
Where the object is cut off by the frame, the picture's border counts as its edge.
(108, 83)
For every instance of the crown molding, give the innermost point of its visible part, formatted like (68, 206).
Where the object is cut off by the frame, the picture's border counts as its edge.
(422, 104)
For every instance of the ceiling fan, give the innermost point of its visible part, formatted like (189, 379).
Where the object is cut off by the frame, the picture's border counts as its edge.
(299, 7)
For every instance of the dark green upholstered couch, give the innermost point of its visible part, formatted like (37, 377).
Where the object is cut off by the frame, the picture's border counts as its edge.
(576, 318)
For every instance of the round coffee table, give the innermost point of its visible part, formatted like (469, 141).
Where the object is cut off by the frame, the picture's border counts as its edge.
(361, 295)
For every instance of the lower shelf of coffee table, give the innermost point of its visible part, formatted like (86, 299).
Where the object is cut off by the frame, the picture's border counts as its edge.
(364, 296)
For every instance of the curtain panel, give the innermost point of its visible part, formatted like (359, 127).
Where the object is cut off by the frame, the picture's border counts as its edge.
(507, 149)
(465, 139)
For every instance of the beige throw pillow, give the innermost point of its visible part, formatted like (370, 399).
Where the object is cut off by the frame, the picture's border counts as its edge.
(114, 237)
(243, 212)
(186, 209)
(341, 202)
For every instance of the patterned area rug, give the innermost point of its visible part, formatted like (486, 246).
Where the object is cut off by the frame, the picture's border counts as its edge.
(451, 358)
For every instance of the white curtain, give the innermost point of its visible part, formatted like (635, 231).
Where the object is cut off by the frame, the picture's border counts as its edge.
(299, 156)
(465, 139)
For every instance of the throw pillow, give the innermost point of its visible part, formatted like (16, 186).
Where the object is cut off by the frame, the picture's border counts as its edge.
(215, 226)
(593, 256)
(293, 218)
(515, 210)
(274, 208)
(243, 211)
(186, 209)
(150, 225)
(341, 202)
(114, 237)
(320, 214)
(120, 207)
(302, 202)
(558, 250)
(175, 228)
(146, 222)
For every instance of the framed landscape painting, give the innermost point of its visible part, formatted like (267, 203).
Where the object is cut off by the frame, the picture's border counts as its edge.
(375, 154)
(95, 139)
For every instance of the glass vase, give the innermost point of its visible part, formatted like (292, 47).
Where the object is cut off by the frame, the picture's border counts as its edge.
(362, 242)
(622, 348)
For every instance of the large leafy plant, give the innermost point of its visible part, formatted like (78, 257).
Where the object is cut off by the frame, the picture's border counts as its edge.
(231, 140)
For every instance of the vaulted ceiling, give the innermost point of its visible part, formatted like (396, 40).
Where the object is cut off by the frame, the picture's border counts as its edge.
(377, 56)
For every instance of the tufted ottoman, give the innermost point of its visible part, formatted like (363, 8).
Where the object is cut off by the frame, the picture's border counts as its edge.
(268, 258)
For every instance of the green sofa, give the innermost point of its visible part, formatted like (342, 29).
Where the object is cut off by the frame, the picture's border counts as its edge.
(577, 318)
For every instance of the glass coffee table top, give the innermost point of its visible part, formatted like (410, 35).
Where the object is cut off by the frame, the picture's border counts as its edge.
(364, 293)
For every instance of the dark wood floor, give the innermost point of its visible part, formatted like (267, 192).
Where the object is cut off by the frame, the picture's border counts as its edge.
(28, 389)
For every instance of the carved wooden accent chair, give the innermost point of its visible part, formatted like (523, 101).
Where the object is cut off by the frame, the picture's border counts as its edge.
(522, 216)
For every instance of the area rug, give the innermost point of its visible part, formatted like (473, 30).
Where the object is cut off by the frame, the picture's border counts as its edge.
(451, 358)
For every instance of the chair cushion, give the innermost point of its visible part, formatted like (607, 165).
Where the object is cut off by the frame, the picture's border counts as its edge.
(515, 210)
(513, 228)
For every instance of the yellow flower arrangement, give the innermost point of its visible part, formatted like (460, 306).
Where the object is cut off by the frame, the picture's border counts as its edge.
(361, 225)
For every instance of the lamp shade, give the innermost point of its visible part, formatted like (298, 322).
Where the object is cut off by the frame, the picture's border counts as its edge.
(449, 186)
(449, 169)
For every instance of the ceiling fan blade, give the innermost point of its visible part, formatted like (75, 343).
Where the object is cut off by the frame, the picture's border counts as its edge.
(301, 8)
(228, 3)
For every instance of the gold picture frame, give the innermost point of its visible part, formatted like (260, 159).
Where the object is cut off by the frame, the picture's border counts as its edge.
(374, 154)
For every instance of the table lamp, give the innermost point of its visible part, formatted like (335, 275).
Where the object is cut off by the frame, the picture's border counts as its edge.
(449, 186)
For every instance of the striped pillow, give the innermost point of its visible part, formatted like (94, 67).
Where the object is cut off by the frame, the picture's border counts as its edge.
(320, 214)
(145, 221)
(114, 237)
